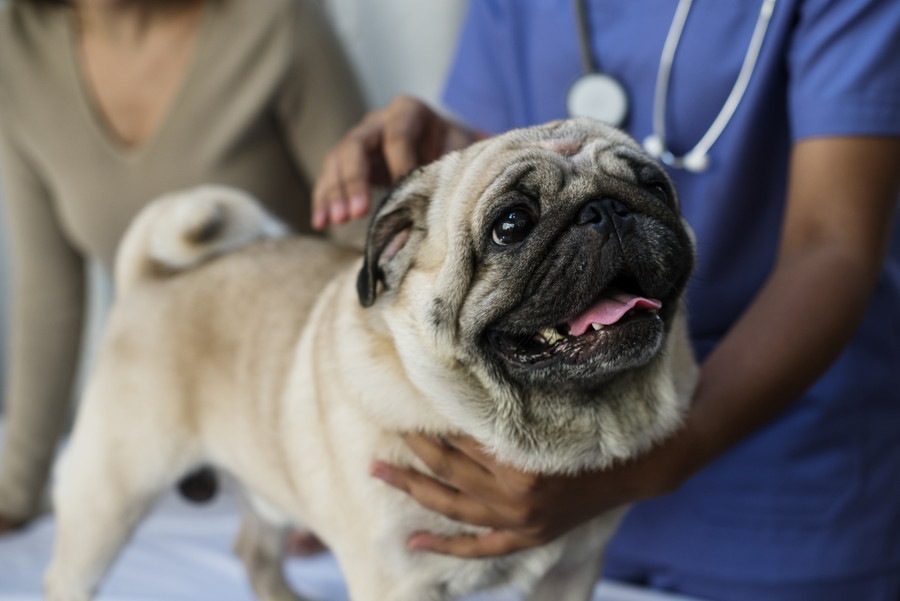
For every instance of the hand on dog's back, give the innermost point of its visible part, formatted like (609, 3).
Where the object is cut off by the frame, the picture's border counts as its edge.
(386, 146)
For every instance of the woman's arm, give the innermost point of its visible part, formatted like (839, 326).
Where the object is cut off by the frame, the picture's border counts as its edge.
(842, 197)
(47, 302)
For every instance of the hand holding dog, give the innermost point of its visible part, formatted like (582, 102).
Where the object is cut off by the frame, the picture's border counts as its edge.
(522, 510)
(388, 144)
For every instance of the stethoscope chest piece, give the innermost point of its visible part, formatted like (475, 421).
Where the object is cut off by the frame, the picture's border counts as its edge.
(599, 96)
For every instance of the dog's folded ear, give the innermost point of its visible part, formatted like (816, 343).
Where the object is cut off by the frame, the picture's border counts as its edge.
(397, 227)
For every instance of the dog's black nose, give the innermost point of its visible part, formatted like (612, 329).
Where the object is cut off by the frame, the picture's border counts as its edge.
(603, 213)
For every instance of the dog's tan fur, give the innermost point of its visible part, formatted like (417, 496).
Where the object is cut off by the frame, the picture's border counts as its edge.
(263, 363)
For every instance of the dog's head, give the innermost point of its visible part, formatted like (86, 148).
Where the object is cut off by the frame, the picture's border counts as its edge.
(533, 285)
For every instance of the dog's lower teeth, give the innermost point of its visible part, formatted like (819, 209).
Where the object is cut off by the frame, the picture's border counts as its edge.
(597, 326)
(550, 335)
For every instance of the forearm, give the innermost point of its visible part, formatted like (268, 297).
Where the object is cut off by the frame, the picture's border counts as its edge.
(43, 352)
(798, 324)
(46, 298)
(842, 198)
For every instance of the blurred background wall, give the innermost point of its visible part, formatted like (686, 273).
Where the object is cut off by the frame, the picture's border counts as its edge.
(398, 46)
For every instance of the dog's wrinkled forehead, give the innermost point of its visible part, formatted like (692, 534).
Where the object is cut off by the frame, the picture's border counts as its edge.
(571, 151)
(594, 155)
(583, 144)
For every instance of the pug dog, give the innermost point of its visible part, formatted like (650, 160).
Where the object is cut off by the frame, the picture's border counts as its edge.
(526, 291)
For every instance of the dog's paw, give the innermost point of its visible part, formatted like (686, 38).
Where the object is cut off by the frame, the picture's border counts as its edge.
(57, 588)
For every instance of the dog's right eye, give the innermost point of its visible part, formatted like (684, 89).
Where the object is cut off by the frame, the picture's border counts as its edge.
(512, 226)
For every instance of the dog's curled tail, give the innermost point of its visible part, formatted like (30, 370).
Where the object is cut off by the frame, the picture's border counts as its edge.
(181, 230)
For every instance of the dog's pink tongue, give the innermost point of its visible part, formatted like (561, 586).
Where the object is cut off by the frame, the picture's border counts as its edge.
(611, 309)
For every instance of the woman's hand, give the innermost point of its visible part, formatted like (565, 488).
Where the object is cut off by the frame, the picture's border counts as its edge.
(384, 147)
(522, 510)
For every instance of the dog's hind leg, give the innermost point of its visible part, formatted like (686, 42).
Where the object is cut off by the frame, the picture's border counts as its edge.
(260, 545)
(107, 482)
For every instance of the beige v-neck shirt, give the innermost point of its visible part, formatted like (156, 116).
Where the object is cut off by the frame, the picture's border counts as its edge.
(267, 92)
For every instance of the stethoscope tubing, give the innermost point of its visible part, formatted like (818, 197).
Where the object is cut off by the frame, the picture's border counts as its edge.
(697, 158)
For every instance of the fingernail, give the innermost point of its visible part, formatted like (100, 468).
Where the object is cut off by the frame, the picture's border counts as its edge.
(338, 212)
(320, 216)
(381, 471)
(419, 542)
(358, 205)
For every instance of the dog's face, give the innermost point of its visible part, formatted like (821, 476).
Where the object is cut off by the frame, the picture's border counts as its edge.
(537, 278)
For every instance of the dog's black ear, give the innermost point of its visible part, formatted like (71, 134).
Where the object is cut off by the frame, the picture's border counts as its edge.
(396, 228)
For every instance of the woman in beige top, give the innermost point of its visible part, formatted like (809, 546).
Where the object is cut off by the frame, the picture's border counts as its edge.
(106, 104)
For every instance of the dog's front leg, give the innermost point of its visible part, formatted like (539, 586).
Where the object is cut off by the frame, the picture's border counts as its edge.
(373, 581)
(575, 574)
(260, 545)
(573, 579)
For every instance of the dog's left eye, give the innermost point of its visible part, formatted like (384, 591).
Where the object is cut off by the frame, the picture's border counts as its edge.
(512, 227)
(660, 191)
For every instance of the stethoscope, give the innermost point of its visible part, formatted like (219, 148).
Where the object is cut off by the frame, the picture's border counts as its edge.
(603, 97)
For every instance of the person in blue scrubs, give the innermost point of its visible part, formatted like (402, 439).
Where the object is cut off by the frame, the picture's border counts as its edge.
(784, 483)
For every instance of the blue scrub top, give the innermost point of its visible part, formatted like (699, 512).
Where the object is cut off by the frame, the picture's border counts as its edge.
(818, 491)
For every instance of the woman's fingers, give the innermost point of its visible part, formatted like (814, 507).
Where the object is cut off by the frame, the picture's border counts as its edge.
(382, 149)
(450, 465)
(403, 134)
(435, 495)
(458, 506)
(489, 544)
(343, 186)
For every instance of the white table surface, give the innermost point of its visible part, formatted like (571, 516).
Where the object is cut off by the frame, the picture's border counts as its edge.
(183, 552)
